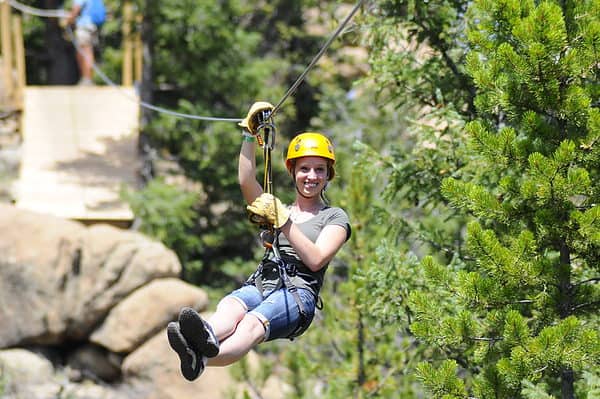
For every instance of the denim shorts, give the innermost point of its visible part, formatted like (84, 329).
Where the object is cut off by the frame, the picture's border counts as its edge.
(277, 310)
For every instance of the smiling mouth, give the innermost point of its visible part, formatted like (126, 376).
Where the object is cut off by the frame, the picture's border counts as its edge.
(311, 185)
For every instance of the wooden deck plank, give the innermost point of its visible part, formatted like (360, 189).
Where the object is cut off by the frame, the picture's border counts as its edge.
(79, 148)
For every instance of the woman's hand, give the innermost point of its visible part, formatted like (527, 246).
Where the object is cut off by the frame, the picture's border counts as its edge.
(268, 209)
(251, 122)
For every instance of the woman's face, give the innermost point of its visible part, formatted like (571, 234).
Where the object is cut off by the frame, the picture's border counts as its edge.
(310, 175)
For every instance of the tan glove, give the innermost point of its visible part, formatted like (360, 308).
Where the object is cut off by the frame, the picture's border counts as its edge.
(251, 122)
(63, 23)
(268, 209)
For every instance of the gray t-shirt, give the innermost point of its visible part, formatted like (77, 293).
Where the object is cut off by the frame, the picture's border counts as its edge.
(304, 277)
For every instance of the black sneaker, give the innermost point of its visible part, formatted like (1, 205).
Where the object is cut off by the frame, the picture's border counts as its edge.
(198, 333)
(191, 362)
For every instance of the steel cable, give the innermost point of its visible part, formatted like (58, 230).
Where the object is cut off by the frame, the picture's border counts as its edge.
(62, 13)
(326, 46)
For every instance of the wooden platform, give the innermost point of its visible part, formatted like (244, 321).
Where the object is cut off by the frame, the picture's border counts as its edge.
(79, 149)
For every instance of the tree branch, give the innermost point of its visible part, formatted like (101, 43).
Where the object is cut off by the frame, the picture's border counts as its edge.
(591, 280)
(487, 339)
(390, 372)
(521, 302)
(584, 305)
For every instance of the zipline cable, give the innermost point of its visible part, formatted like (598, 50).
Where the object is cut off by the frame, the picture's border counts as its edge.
(37, 11)
(62, 13)
(59, 13)
(144, 104)
(326, 46)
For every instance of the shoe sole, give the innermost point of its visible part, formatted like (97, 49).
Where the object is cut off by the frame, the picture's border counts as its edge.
(189, 362)
(195, 332)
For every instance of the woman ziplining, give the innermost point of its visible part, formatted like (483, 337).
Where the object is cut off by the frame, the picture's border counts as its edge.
(279, 299)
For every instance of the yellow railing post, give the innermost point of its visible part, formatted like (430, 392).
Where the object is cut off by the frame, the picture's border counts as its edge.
(19, 59)
(127, 79)
(6, 48)
(138, 52)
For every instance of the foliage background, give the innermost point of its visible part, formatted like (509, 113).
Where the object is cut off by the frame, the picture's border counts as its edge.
(467, 141)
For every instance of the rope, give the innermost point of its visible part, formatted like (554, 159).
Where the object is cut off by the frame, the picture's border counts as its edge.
(37, 11)
(327, 44)
(145, 104)
(62, 13)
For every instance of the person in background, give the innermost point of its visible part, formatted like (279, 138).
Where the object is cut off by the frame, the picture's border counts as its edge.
(279, 299)
(88, 16)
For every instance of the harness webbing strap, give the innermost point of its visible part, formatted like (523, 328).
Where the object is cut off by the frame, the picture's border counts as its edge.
(287, 283)
(267, 126)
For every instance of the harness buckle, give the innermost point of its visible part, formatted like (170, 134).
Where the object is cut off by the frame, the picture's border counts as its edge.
(291, 269)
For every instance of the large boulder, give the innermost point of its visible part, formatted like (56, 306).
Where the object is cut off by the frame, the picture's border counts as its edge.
(22, 367)
(146, 311)
(83, 312)
(60, 278)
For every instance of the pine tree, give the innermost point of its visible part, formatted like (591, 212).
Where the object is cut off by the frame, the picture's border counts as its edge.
(517, 317)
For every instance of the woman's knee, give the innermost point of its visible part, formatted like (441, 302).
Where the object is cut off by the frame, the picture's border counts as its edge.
(232, 306)
(254, 327)
(228, 314)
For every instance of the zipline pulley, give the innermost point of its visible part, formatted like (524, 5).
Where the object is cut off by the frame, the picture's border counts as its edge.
(266, 125)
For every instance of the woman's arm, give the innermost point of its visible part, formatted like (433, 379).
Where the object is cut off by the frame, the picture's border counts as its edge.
(317, 254)
(73, 14)
(251, 189)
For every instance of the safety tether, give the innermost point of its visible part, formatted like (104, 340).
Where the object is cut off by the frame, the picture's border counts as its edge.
(270, 235)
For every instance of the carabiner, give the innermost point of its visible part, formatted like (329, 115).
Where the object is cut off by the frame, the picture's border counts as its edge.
(266, 124)
(268, 238)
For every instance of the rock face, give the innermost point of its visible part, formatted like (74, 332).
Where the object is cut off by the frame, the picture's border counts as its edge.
(83, 312)
(66, 278)
(134, 320)
(10, 150)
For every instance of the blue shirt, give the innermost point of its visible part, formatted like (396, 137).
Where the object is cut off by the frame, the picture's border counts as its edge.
(84, 18)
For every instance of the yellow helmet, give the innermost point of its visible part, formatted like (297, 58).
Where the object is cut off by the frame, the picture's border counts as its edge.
(310, 144)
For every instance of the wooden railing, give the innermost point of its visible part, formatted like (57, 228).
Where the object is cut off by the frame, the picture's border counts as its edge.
(12, 54)
(132, 46)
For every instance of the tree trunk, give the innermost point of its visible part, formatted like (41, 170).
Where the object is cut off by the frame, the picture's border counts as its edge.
(62, 63)
(361, 377)
(565, 309)
(566, 383)
(144, 145)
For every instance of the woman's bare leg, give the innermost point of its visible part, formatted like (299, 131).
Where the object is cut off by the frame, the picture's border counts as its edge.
(228, 314)
(85, 60)
(248, 333)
